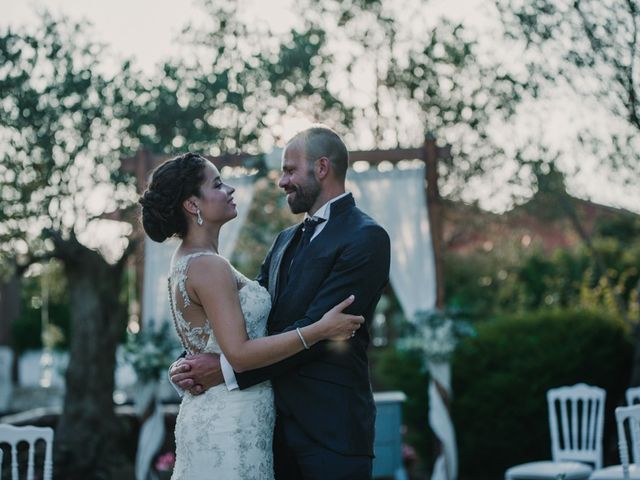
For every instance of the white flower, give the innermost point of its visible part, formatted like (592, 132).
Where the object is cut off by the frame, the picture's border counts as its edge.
(436, 335)
(150, 352)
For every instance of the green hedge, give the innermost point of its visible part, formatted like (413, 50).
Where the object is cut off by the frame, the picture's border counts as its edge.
(402, 370)
(501, 376)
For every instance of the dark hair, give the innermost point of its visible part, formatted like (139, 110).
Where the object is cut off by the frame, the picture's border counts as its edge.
(171, 184)
(321, 141)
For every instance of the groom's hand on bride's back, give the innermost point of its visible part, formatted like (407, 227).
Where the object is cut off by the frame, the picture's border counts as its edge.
(197, 373)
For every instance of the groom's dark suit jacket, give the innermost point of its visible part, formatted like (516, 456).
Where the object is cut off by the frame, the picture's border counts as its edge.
(326, 389)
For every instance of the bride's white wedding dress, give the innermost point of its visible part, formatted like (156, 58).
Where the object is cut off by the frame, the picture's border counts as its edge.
(222, 434)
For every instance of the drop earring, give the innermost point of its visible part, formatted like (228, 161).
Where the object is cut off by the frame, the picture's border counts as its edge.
(199, 221)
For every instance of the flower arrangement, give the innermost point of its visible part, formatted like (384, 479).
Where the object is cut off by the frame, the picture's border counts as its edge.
(151, 351)
(435, 334)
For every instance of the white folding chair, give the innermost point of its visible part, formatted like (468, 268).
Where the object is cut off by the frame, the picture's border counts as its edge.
(626, 470)
(29, 434)
(633, 395)
(576, 421)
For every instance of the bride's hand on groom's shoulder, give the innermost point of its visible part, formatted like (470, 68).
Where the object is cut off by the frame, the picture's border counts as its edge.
(197, 373)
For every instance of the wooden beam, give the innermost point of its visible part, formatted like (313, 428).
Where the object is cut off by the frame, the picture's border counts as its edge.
(144, 161)
(434, 207)
(375, 157)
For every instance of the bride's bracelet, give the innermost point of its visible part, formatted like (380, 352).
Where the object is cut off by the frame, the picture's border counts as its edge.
(306, 347)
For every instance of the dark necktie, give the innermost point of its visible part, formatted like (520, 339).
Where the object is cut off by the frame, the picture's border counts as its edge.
(308, 227)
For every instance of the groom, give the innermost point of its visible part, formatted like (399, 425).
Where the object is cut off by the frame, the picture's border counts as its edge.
(324, 404)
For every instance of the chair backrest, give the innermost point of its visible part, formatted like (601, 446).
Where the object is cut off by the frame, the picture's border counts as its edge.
(576, 421)
(15, 435)
(632, 416)
(633, 395)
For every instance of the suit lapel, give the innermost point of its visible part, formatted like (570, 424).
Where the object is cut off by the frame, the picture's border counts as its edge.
(274, 268)
(338, 208)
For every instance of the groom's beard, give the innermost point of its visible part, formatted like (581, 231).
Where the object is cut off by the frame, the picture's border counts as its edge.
(304, 196)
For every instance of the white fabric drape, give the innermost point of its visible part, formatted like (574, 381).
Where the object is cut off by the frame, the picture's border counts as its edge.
(152, 431)
(396, 200)
(157, 256)
(446, 465)
(6, 385)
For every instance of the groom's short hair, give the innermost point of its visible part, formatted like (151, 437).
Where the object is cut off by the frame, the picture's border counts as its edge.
(321, 141)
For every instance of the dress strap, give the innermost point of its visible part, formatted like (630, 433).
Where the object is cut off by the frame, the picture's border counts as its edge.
(179, 273)
(185, 260)
(193, 338)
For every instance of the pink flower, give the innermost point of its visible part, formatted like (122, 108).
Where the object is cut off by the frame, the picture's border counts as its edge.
(408, 453)
(165, 462)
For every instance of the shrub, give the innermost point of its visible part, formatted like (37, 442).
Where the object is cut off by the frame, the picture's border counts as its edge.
(402, 370)
(500, 379)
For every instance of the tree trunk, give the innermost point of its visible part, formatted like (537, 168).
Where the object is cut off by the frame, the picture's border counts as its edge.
(9, 312)
(635, 369)
(90, 441)
(9, 306)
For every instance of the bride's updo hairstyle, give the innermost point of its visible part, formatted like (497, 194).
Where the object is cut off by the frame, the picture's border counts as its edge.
(171, 184)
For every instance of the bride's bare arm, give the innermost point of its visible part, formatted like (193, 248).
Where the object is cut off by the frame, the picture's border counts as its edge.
(212, 284)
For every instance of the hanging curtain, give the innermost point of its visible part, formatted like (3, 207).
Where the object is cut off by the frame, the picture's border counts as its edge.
(157, 256)
(6, 384)
(396, 200)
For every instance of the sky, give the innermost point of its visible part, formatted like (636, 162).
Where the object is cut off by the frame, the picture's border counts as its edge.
(142, 29)
(145, 30)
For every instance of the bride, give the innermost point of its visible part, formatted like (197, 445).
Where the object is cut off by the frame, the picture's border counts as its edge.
(221, 434)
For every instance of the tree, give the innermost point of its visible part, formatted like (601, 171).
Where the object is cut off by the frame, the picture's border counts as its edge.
(405, 74)
(594, 48)
(61, 133)
(66, 124)
(230, 94)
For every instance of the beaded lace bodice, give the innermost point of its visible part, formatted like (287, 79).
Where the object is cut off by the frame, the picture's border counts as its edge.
(221, 433)
(198, 337)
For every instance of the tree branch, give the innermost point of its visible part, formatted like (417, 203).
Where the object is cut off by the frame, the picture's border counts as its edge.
(633, 45)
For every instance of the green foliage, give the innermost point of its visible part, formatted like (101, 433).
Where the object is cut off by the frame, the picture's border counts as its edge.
(568, 41)
(151, 351)
(486, 282)
(625, 228)
(500, 379)
(512, 278)
(463, 285)
(60, 133)
(269, 215)
(230, 95)
(26, 331)
(432, 79)
(548, 280)
(403, 371)
(434, 334)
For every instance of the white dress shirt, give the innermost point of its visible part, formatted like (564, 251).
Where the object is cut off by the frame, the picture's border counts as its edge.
(323, 212)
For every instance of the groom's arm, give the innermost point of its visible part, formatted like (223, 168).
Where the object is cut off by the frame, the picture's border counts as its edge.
(362, 269)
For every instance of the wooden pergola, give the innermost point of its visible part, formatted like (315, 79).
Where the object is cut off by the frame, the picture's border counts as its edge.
(429, 152)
